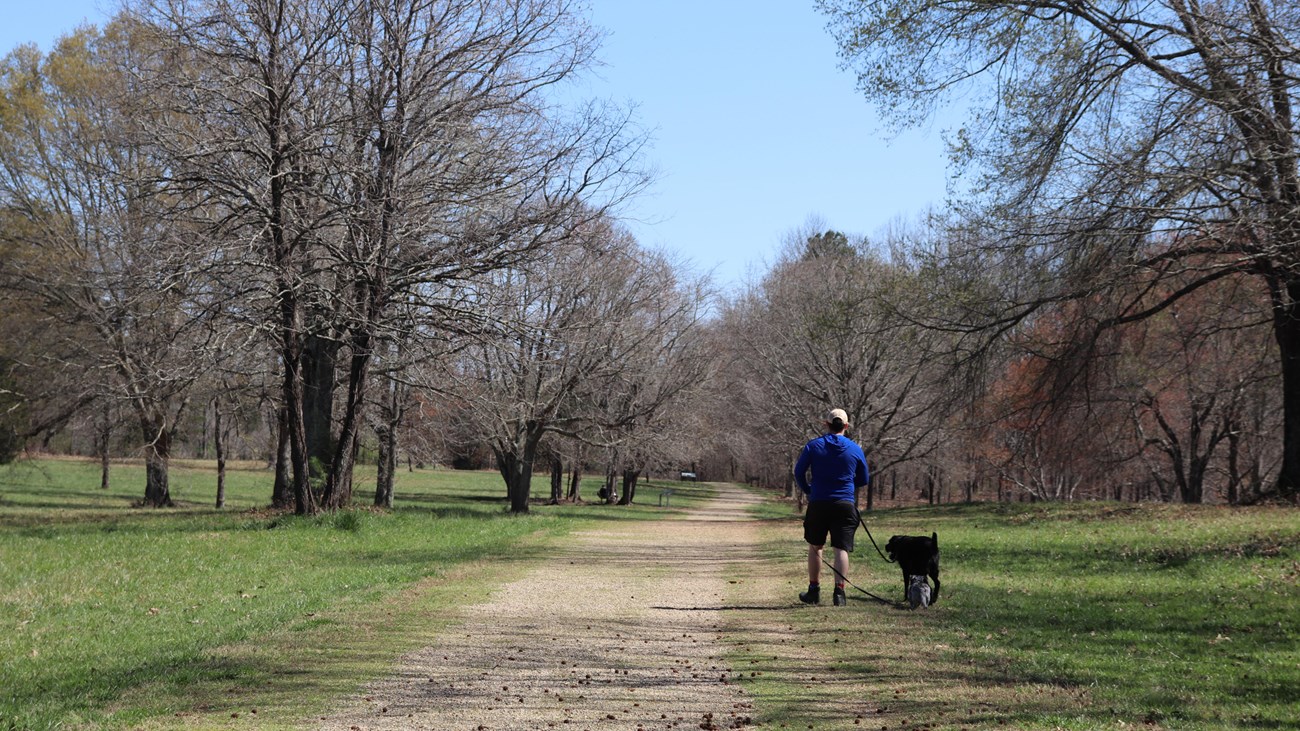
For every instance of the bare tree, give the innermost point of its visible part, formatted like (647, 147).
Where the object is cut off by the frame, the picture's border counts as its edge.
(99, 255)
(376, 154)
(457, 168)
(821, 331)
(588, 340)
(13, 417)
(1194, 369)
(249, 121)
(1120, 144)
(650, 409)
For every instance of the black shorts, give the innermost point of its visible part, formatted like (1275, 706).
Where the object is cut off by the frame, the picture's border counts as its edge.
(839, 518)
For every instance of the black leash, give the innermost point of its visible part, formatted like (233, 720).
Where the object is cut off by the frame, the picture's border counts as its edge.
(845, 579)
(873, 539)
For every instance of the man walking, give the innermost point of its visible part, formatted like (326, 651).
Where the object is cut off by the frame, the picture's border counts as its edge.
(838, 469)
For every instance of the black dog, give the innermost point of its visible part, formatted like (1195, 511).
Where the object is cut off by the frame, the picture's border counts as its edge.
(917, 556)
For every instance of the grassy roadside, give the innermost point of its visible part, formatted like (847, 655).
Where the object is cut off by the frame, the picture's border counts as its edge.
(1053, 616)
(126, 617)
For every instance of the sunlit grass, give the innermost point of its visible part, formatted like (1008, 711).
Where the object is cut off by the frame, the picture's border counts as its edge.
(114, 614)
(1052, 616)
(1068, 616)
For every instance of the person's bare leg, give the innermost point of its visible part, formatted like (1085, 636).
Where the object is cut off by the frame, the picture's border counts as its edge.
(813, 595)
(814, 564)
(839, 598)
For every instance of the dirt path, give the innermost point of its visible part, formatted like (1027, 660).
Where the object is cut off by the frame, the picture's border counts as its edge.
(620, 630)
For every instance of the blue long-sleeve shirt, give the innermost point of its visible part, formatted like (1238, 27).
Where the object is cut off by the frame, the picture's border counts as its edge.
(838, 468)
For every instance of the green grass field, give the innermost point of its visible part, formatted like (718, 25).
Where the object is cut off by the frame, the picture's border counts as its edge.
(1077, 616)
(116, 616)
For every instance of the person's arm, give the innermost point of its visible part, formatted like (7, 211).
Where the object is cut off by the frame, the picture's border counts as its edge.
(801, 469)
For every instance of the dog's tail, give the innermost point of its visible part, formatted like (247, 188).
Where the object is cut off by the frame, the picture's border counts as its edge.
(935, 537)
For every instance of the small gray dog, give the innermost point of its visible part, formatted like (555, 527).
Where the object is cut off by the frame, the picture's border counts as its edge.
(918, 591)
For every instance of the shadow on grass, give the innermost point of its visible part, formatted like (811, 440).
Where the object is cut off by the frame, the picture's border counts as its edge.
(380, 550)
(93, 501)
(862, 674)
(123, 694)
(1086, 616)
(115, 513)
(1161, 644)
(920, 681)
(45, 525)
(272, 670)
(206, 671)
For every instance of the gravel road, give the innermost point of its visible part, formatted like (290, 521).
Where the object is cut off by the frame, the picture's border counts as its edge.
(620, 629)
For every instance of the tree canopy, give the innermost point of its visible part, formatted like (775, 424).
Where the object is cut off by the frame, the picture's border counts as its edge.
(1124, 154)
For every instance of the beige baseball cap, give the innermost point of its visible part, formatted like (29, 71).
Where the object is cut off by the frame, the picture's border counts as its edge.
(837, 414)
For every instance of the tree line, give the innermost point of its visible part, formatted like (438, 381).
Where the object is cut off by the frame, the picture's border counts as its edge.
(333, 230)
(1181, 406)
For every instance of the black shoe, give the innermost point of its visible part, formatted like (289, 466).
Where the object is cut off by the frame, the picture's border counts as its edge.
(838, 597)
(812, 596)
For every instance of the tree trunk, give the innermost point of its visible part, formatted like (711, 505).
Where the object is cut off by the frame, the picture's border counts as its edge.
(203, 437)
(505, 466)
(157, 453)
(1257, 477)
(391, 412)
(304, 495)
(610, 472)
(1234, 467)
(345, 478)
(318, 363)
(518, 471)
(1287, 332)
(156, 491)
(272, 422)
(516, 468)
(557, 480)
(219, 444)
(1193, 489)
(575, 481)
(282, 492)
(283, 252)
(387, 466)
(629, 486)
(791, 489)
(105, 438)
(338, 485)
(1286, 329)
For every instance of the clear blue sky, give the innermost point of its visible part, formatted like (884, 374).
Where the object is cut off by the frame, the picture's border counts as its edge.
(755, 127)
